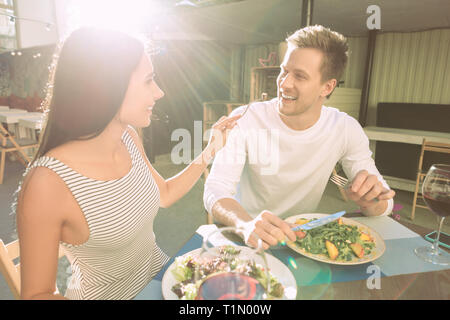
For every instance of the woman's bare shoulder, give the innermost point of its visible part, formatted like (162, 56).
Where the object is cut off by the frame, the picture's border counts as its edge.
(43, 191)
(61, 152)
(40, 176)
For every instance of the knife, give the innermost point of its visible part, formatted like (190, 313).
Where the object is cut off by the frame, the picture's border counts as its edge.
(319, 222)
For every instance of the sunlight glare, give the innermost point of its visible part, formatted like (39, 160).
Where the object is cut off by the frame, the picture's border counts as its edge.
(127, 16)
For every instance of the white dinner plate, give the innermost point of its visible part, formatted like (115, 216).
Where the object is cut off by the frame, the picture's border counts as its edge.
(375, 253)
(276, 267)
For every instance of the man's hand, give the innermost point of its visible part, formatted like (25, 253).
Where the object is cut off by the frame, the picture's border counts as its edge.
(366, 190)
(267, 227)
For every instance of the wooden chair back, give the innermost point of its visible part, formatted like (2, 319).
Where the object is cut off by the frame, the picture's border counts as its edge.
(9, 144)
(10, 267)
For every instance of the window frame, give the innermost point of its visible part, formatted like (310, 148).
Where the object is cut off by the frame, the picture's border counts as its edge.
(15, 37)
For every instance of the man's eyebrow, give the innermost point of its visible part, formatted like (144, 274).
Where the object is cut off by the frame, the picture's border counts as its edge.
(295, 70)
(301, 71)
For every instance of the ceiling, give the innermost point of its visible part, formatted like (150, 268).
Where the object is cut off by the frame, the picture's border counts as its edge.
(259, 21)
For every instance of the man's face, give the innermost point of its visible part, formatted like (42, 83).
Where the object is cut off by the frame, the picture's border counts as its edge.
(300, 87)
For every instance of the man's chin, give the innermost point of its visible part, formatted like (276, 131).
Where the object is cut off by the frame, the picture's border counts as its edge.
(287, 110)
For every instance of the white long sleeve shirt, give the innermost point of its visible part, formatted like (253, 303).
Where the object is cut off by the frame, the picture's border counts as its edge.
(265, 165)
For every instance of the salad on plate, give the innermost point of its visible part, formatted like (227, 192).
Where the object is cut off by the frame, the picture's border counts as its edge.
(336, 240)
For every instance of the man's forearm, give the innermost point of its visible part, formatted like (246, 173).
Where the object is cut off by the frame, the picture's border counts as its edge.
(229, 212)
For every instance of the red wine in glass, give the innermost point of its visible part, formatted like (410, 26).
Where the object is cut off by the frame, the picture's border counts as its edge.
(439, 204)
(436, 193)
(230, 286)
(228, 269)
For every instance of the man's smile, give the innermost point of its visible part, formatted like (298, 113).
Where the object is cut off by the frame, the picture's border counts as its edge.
(285, 96)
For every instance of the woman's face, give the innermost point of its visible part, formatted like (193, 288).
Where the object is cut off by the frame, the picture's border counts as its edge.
(141, 95)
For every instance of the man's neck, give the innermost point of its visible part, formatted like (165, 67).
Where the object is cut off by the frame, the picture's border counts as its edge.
(302, 121)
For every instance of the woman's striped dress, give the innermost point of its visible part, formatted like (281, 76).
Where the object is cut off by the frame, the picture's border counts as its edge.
(121, 255)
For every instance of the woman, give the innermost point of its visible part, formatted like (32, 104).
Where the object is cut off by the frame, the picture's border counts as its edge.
(90, 186)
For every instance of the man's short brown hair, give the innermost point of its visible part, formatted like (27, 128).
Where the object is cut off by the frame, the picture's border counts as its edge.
(333, 45)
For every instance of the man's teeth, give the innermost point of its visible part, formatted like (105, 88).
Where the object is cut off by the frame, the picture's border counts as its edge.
(288, 97)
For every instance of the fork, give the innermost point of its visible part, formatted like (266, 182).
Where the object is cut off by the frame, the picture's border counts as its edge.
(264, 97)
(340, 181)
(343, 182)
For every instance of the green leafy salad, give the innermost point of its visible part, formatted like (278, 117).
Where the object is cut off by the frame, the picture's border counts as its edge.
(336, 240)
(227, 261)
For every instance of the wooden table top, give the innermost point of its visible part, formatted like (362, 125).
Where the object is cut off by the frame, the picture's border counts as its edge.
(434, 285)
(31, 123)
(12, 117)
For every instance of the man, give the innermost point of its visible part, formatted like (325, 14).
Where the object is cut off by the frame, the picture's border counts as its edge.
(253, 188)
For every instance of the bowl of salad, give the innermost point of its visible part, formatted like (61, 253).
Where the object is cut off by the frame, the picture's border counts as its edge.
(342, 242)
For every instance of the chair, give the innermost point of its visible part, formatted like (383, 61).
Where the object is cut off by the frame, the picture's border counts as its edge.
(18, 147)
(432, 147)
(10, 269)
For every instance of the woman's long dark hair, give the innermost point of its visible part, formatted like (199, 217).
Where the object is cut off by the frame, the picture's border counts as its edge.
(89, 83)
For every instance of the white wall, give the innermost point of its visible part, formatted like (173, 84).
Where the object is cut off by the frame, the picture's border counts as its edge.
(62, 17)
(30, 33)
(65, 15)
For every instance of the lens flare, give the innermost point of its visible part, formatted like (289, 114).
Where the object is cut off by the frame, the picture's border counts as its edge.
(292, 263)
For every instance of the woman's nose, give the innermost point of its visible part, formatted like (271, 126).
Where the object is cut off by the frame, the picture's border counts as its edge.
(158, 94)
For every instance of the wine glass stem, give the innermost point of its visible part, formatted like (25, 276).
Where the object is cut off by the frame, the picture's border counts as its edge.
(436, 241)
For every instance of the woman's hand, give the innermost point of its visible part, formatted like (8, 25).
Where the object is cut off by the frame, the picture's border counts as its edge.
(219, 133)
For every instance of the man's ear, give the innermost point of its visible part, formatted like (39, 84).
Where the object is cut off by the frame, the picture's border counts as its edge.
(328, 88)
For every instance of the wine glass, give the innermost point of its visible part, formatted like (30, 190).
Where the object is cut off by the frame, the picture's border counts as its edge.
(226, 271)
(436, 193)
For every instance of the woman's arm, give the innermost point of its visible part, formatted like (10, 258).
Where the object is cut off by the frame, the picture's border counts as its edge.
(39, 225)
(174, 188)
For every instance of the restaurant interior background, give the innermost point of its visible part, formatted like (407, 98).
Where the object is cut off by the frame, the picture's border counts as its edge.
(217, 54)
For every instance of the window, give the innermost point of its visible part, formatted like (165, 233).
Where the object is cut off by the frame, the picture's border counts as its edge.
(7, 26)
